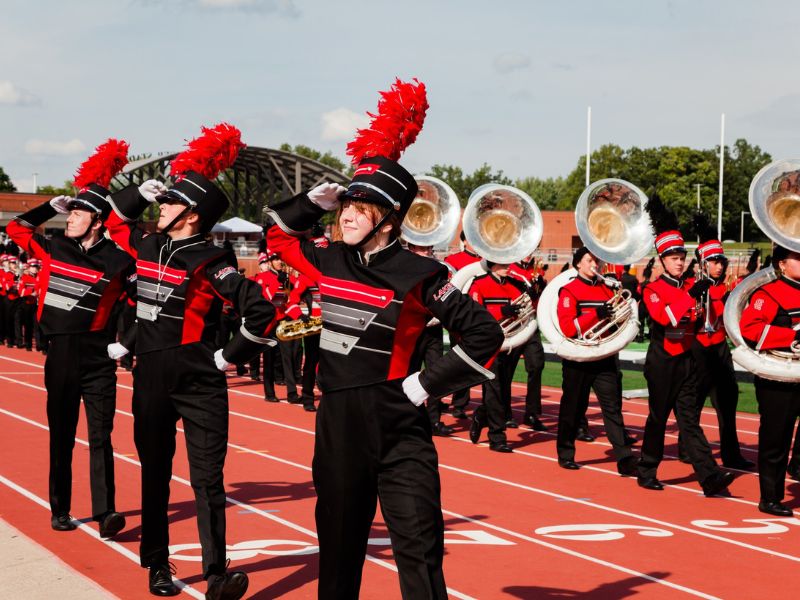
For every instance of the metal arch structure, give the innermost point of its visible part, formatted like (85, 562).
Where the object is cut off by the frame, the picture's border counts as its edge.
(258, 178)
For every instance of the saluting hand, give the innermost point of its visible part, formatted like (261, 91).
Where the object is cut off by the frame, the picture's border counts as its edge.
(61, 204)
(326, 195)
(152, 189)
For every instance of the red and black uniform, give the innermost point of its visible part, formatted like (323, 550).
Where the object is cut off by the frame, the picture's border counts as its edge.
(770, 322)
(715, 374)
(371, 441)
(26, 311)
(496, 294)
(78, 290)
(305, 300)
(181, 286)
(11, 300)
(671, 377)
(578, 304)
(457, 261)
(532, 351)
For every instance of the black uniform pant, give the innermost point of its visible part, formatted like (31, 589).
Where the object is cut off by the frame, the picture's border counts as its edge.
(579, 378)
(181, 383)
(716, 377)
(3, 332)
(78, 366)
(795, 460)
(533, 354)
(311, 350)
(373, 443)
(10, 316)
(430, 347)
(291, 365)
(23, 324)
(672, 385)
(779, 407)
(495, 406)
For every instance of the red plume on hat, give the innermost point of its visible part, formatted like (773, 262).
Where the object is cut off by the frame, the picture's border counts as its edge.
(108, 159)
(401, 114)
(209, 154)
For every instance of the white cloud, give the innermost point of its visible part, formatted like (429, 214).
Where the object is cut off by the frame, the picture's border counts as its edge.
(341, 123)
(11, 94)
(285, 8)
(511, 61)
(54, 148)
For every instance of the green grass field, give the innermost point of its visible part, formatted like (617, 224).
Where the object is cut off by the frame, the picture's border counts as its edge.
(633, 380)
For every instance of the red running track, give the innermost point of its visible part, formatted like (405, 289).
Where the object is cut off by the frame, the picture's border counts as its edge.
(517, 526)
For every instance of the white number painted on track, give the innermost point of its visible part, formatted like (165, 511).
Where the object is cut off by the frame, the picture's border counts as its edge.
(253, 548)
(761, 527)
(598, 532)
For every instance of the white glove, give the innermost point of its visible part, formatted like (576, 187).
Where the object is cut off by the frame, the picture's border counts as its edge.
(152, 188)
(414, 390)
(326, 195)
(61, 204)
(116, 350)
(222, 364)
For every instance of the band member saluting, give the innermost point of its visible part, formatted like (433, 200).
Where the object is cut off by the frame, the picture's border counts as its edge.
(373, 437)
(182, 282)
(85, 274)
(669, 367)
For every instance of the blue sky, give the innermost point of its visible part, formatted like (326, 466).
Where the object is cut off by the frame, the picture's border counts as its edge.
(508, 81)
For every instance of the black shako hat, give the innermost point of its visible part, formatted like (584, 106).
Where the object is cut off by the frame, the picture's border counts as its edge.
(194, 169)
(93, 198)
(201, 196)
(385, 182)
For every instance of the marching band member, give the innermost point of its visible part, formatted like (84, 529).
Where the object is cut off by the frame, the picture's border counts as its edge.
(582, 303)
(772, 321)
(182, 281)
(459, 260)
(4, 335)
(715, 374)
(532, 351)
(373, 436)
(304, 303)
(669, 366)
(84, 275)
(26, 288)
(12, 300)
(496, 291)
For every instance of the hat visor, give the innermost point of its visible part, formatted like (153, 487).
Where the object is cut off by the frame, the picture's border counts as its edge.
(363, 194)
(675, 250)
(80, 204)
(175, 197)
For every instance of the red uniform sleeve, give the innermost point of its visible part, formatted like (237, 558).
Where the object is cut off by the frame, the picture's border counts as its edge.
(295, 252)
(293, 310)
(572, 324)
(756, 323)
(665, 313)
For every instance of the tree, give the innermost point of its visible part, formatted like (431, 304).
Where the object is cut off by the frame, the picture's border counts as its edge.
(463, 185)
(326, 159)
(5, 182)
(66, 190)
(545, 192)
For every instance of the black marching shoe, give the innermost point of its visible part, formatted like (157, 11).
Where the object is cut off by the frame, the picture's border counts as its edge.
(160, 580)
(650, 483)
(295, 399)
(309, 408)
(629, 440)
(271, 399)
(534, 422)
(773, 507)
(62, 523)
(570, 465)
(740, 463)
(459, 413)
(475, 429)
(627, 466)
(511, 424)
(442, 429)
(111, 524)
(717, 482)
(793, 470)
(583, 435)
(230, 586)
(500, 447)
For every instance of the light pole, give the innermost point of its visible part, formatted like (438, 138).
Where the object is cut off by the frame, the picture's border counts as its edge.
(741, 226)
(35, 187)
(698, 186)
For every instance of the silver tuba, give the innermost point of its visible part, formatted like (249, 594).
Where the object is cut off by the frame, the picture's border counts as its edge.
(432, 218)
(775, 206)
(614, 225)
(503, 225)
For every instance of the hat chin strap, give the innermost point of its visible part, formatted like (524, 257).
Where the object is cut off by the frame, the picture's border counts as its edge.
(375, 229)
(88, 229)
(172, 223)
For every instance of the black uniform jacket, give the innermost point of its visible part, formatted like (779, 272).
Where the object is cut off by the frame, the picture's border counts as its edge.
(375, 307)
(182, 285)
(78, 287)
